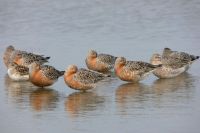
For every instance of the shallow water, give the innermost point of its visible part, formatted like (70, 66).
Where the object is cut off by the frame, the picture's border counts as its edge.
(66, 30)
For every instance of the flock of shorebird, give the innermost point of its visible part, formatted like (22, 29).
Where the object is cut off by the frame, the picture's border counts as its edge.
(23, 66)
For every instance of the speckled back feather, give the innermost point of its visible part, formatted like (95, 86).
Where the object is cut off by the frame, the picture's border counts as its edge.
(177, 59)
(105, 58)
(29, 58)
(139, 66)
(22, 70)
(87, 76)
(51, 72)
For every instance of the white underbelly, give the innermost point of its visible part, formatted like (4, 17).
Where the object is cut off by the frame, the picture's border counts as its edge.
(165, 72)
(17, 77)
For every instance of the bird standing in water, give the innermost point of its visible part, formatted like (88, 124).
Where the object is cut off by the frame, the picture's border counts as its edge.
(133, 71)
(82, 79)
(22, 57)
(100, 62)
(43, 75)
(173, 63)
(18, 72)
(178, 59)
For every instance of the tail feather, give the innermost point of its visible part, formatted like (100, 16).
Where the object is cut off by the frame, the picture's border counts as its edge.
(156, 66)
(107, 75)
(194, 58)
(44, 59)
(61, 73)
(47, 57)
(103, 75)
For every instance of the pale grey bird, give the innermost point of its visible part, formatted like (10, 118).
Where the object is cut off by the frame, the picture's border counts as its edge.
(8, 52)
(177, 59)
(168, 70)
(18, 72)
(22, 57)
(173, 63)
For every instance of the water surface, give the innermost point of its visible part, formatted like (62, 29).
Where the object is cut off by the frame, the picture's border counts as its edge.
(66, 30)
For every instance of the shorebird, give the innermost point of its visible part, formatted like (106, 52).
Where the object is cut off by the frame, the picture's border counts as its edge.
(18, 72)
(22, 57)
(43, 75)
(26, 59)
(133, 71)
(173, 63)
(7, 54)
(174, 57)
(167, 70)
(100, 62)
(82, 79)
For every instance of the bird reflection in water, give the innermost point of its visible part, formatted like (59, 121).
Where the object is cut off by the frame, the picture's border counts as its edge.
(184, 81)
(164, 93)
(174, 93)
(25, 95)
(18, 92)
(130, 95)
(44, 99)
(79, 103)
